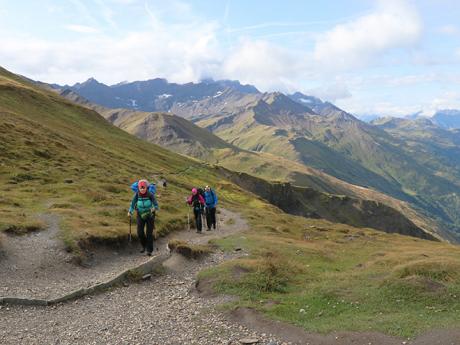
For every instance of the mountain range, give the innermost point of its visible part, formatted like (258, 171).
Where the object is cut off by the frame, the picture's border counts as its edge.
(304, 130)
(66, 168)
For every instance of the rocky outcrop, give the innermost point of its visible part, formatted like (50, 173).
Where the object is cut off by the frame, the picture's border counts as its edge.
(307, 202)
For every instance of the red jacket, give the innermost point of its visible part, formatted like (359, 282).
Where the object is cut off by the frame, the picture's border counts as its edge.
(200, 199)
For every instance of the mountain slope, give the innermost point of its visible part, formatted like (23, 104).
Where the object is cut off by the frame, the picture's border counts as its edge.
(61, 158)
(181, 136)
(347, 148)
(331, 140)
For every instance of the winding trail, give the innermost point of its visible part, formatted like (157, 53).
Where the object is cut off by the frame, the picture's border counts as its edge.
(36, 266)
(164, 310)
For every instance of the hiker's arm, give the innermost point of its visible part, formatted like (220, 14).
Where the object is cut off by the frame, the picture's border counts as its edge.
(201, 200)
(154, 201)
(189, 200)
(133, 204)
(215, 199)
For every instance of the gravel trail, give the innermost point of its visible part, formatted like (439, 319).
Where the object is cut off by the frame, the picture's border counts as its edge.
(168, 310)
(164, 310)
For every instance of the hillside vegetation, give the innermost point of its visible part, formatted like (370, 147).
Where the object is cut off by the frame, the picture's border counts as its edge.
(182, 136)
(62, 158)
(311, 132)
(341, 146)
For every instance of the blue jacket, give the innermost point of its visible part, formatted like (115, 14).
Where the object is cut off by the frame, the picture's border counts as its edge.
(210, 199)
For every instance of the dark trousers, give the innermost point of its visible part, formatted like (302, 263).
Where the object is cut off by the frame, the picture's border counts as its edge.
(211, 217)
(198, 223)
(146, 238)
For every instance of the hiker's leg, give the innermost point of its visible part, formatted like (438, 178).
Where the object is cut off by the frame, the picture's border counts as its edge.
(200, 219)
(197, 213)
(149, 241)
(213, 218)
(208, 218)
(140, 231)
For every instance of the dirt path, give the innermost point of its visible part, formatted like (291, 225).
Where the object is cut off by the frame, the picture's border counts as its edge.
(37, 266)
(165, 310)
(168, 310)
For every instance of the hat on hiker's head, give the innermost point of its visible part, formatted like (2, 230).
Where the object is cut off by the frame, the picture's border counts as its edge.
(207, 188)
(143, 184)
(194, 191)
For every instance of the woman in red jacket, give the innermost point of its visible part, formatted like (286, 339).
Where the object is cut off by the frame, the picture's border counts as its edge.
(197, 202)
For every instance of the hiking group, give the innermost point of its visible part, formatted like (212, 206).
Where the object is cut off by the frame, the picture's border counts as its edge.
(145, 204)
(203, 202)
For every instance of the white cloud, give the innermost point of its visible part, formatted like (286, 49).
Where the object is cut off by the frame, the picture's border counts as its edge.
(427, 106)
(447, 100)
(268, 66)
(449, 30)
(83, 29)
(179, 46)
(361, 107)
(394, 24)
(330, 92)
(181, 53)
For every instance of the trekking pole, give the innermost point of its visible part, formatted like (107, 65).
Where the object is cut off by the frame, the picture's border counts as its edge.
(188, 218)
(129, 228)
(204, 222)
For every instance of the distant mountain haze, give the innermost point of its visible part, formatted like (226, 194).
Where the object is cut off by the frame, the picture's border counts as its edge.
(153, 95)
(449, 118)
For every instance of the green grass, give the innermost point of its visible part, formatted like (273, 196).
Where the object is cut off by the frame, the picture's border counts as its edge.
(22, 228)
(326, 277)
(56, 157)
(61, 158)
(189, 250)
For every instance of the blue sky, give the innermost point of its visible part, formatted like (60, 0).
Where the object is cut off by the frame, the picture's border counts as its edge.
(390, 57)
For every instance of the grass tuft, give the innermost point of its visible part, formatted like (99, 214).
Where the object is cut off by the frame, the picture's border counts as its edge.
(190, 251)
(25, 228)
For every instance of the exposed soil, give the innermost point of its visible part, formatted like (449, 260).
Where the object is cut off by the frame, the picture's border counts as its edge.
(37, 265)
(296, 335)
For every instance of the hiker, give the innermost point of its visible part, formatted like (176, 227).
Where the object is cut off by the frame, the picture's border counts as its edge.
(210, 198)
(146, 204)
(197, 202)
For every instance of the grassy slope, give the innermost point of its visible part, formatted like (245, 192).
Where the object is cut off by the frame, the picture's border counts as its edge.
(180, 135)
(342, 277)
(355, 152)
(192, 140)
(47, 140)
(294, 261)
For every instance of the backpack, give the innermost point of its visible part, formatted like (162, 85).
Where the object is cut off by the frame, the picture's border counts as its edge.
(152, 188)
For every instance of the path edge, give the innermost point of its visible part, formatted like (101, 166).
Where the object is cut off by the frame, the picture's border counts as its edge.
(144, 268)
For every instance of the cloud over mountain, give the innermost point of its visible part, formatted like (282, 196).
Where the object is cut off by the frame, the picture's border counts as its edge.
(394, 24)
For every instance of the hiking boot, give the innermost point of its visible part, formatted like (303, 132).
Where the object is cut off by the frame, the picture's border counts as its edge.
(149, 253)
(198, 231)
(142, 250)
(208, 229)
